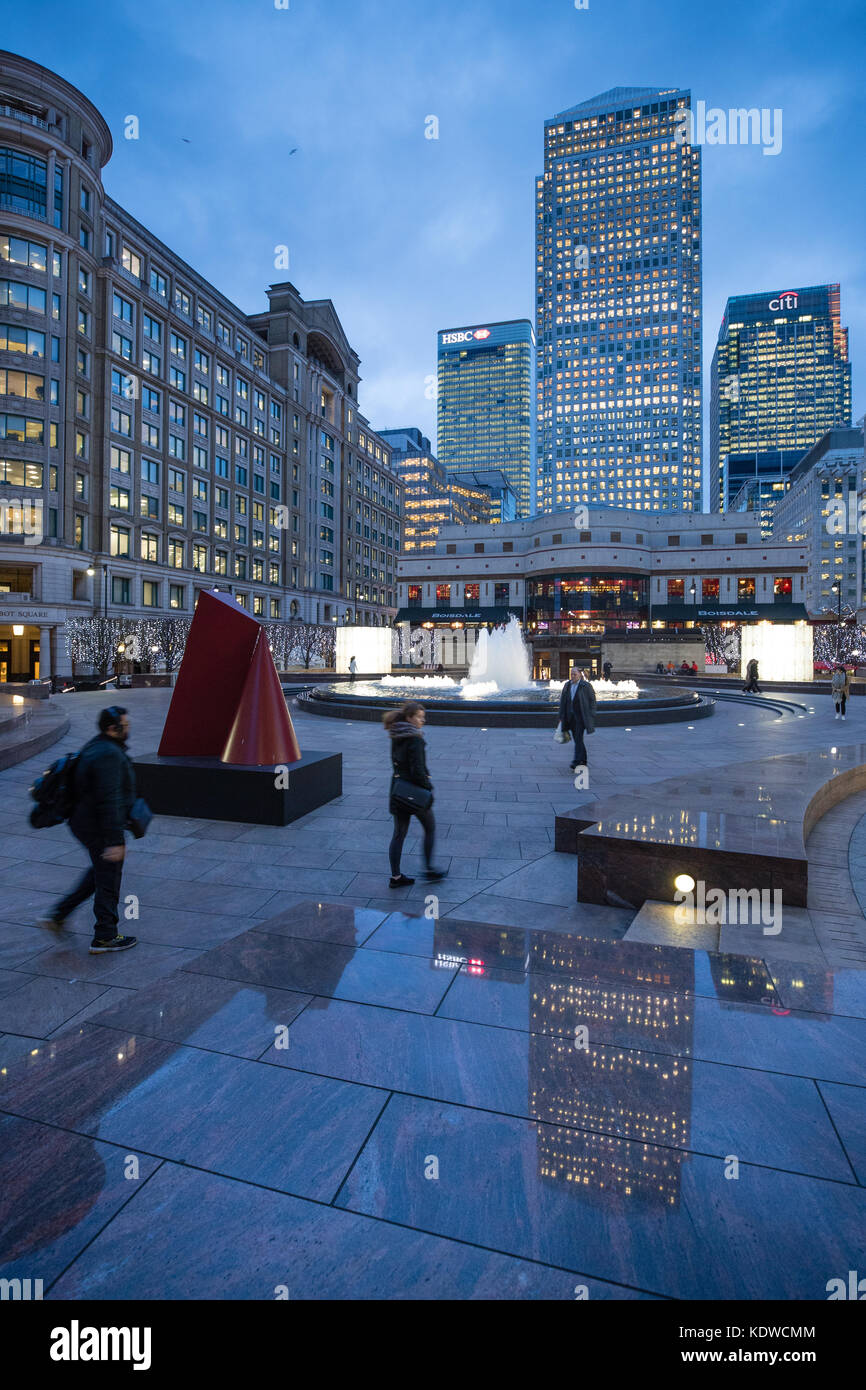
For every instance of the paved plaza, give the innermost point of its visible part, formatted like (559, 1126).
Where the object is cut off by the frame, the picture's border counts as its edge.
(301, 1080)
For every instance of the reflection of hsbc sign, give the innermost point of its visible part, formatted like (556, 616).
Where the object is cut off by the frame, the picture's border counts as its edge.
(466, 335)
(786, 300)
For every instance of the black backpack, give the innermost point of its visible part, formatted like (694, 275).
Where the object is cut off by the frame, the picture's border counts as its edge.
(53, 793)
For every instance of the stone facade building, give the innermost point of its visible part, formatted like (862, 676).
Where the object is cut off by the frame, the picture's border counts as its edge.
(615, 580)
(154, 438)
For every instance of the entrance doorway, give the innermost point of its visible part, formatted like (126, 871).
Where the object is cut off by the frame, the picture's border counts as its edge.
(19, 654)
(541, 666)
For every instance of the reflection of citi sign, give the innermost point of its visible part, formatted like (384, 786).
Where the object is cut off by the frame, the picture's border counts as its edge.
(786, 300)
(479, 334)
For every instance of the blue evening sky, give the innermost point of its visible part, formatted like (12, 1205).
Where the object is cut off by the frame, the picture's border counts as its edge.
(408, 235)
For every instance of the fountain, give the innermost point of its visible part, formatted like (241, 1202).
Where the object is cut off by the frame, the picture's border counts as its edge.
(501, 656)
(499, 692)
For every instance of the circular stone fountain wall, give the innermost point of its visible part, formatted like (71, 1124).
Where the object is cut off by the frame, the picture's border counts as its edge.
(499, 694)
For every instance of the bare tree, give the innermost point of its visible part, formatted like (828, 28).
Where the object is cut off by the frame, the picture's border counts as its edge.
(92, 642)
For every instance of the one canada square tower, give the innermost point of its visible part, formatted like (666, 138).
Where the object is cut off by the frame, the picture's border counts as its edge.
(618, 294)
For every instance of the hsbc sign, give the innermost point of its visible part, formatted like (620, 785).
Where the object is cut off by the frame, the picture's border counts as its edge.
(465, 335)
(784, 301)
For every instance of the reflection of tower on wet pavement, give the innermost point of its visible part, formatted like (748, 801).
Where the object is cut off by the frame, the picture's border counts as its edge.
(745, 980)
(628, 1095)
(740, 979)
(480, 947)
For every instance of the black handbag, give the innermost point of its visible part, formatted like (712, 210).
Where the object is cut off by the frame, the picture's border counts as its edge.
(410, 797)
(140, 816)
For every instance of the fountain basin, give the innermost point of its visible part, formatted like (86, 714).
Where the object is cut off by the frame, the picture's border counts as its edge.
(531, 707)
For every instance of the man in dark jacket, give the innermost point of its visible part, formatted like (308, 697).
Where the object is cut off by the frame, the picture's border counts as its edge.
(103, 792)
(577, 713)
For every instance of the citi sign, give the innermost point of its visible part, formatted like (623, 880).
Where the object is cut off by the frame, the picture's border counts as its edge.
(784, 301)
(465, 335)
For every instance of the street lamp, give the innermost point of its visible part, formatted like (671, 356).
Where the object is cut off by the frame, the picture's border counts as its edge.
(836, 586)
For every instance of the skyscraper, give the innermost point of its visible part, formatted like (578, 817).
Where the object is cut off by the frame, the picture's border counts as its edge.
(433, 498)
(485, 403)
(780, 380)
(618, 281)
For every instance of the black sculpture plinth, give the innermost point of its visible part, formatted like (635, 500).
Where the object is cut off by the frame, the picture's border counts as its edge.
(207, 789)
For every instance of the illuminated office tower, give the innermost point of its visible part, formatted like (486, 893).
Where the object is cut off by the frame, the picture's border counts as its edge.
(780, 380)
(485, 403)
(618, 304)
(432, 498)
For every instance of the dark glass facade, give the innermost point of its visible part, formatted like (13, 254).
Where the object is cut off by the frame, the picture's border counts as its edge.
(780, 380)
(485, 403)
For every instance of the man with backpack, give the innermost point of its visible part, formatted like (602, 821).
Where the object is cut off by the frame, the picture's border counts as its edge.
(101, 794)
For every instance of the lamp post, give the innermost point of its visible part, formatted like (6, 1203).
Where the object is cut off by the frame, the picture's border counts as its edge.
(836, 586)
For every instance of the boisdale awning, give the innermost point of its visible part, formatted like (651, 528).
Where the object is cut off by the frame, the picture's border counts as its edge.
(456, 615)
(729, 613)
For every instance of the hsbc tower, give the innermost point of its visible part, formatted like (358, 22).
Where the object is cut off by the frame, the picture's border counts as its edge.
(485, 402)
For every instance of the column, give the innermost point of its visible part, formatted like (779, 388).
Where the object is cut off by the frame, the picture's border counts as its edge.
(45, 653)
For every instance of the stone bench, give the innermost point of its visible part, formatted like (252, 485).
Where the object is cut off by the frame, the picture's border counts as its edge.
(742, 826)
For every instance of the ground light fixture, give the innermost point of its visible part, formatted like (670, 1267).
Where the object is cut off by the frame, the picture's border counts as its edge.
(684, 883)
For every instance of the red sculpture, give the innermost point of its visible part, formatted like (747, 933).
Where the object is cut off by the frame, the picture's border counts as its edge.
(227, 700)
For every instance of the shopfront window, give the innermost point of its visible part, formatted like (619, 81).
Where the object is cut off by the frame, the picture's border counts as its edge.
(710, 591)
(471, 595)
(443, 593)
(676, 590)
(587, 602)
(414, 598)
(782, 588)
(746, 589)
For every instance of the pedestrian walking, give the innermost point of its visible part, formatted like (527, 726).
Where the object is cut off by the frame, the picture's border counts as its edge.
(607, 670)
(577, 713)
(751, 686)
(353, 667)
(411, 791)
(103, 795)
(840, 686)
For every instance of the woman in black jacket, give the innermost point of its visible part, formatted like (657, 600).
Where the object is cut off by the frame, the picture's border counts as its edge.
(409, 764)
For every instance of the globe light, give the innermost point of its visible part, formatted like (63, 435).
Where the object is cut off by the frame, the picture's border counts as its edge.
(684, 883)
